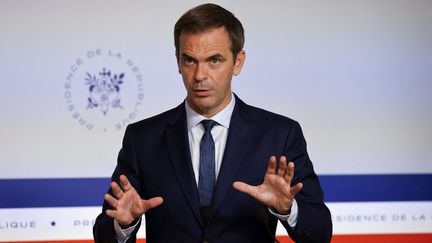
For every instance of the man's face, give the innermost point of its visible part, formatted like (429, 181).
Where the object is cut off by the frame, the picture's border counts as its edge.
(206, 64)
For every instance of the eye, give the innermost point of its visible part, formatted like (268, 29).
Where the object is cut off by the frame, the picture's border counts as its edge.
(215, 61)
(188, 60)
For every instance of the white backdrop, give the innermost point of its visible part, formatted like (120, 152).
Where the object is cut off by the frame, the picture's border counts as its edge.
(355, 74)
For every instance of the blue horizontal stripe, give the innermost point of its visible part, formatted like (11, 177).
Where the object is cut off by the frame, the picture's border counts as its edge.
(368, 188)
(25, 193)
(22, 193)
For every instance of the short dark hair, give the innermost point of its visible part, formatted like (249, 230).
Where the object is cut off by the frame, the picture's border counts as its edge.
(207, 16)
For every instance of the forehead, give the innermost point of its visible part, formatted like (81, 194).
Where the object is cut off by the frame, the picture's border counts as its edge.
(211, 40)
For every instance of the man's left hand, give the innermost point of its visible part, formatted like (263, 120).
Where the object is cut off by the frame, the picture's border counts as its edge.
(276, 191)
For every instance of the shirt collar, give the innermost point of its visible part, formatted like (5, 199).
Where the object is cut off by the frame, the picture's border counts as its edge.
(223, 117)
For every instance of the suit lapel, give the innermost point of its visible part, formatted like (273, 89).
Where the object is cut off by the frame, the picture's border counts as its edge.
(235, 149)
(178, 147)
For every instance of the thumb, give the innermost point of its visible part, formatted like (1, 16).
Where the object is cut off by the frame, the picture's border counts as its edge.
(294, 190)
(243, 187)
(152, 202)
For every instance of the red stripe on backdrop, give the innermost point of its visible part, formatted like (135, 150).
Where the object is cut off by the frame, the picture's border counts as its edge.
(384, 238)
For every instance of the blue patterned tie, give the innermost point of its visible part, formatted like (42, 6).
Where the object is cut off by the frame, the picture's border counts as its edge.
(207, 174)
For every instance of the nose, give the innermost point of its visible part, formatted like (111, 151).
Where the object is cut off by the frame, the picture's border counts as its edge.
(200, 72)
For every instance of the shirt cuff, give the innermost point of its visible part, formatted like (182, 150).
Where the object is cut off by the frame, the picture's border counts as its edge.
(122, 235)
(291, 218)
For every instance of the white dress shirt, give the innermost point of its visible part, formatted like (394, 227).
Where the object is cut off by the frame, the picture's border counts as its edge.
(220, 134)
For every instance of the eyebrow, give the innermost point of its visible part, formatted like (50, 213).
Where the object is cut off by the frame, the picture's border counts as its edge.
(185, 56)
(218, 56)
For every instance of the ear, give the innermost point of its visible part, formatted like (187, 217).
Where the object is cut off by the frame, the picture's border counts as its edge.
(239, 61)
(178, 62)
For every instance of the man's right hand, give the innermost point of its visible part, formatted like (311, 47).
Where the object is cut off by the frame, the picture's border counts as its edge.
(127, 203)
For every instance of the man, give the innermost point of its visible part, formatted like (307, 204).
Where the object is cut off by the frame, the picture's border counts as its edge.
(205, 170)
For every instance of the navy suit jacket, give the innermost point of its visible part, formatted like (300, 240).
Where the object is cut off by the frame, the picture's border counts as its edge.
(156, 159)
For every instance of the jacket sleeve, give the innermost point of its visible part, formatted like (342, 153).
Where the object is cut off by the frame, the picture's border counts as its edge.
(314, 220)
(103, 229)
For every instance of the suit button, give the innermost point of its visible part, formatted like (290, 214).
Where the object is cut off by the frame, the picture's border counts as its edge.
(306, 233)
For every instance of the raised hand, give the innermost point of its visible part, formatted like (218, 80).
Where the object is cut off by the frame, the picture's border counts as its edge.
(276, 191)
(127, 203)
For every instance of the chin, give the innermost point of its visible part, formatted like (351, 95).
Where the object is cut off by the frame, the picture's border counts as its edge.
(201, 106)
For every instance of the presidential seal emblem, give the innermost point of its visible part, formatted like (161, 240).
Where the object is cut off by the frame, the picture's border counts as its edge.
(103, 90)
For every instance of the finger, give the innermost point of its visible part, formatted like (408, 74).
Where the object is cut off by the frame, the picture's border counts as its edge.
(152, 202)
(271, 169)
(111, 200)
(282, 166)
(294, 190)
(252, 191)
(289, 175)
(111, 213)
(117, 191)
(245, 188)
(125, 184)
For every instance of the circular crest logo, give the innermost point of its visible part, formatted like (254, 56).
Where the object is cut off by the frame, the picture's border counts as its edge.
(103, 90)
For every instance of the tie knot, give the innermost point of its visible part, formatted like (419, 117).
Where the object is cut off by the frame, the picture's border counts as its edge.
(208, 124)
